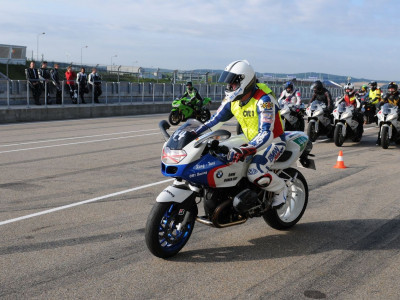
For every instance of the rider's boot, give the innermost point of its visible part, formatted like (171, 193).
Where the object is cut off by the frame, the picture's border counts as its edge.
(280, 198)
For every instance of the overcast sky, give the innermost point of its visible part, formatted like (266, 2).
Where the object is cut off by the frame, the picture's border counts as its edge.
(353, 38)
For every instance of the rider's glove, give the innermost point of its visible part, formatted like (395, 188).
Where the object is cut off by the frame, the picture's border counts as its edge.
(239, 154)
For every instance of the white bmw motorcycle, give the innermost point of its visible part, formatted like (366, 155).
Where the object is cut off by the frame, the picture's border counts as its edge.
(345, 125)
(319, 122)
(292, 116)
(389, 126)
(202, 174)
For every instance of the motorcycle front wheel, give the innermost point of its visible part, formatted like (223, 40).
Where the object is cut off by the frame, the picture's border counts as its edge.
(338, 137)
(385, 137)
(165, 233)
(174, 117)
(296, 202)
(205, 115)
(311, 132)
(300, 124)
(238, 129)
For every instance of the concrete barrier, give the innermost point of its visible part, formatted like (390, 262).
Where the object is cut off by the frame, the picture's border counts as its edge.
(15, 114)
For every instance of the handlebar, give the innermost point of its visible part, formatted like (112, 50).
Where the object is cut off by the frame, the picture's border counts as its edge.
(215, 150)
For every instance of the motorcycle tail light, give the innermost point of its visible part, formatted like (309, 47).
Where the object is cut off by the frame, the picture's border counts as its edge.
(172, 156)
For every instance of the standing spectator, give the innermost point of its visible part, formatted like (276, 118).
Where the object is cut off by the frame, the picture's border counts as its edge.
(95, 84)
(45, 77)
(56, 81)
(32, 75)
(70, 77)
(81, 79)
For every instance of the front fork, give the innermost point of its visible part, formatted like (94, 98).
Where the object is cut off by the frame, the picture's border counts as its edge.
(390, 130)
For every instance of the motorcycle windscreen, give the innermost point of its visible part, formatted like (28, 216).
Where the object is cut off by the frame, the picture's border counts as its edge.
(184, 135)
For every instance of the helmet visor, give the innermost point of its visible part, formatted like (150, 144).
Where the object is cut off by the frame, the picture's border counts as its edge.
(232, 80)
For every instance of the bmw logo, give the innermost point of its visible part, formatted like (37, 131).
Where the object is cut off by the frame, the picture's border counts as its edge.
(220, 174)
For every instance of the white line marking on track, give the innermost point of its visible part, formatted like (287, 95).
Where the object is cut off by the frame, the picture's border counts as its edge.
(82, 202)
(74, 138)
(77, 143)
(324, 140)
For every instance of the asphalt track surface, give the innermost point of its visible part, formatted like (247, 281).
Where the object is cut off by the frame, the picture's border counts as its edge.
(75, 196)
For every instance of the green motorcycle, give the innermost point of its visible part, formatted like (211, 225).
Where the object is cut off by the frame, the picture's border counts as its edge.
(183, 109)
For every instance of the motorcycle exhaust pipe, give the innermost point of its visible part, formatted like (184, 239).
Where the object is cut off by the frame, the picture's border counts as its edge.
(214, 219)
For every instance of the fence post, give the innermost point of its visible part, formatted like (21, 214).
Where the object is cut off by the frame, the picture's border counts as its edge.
(106, 92)
(143, 93)
(163, 94)
(45, 94)
(153, 87)
(27, 93)
(62, 93)
(119, 93)
(130, 91)
(92, 91)
(8, 93)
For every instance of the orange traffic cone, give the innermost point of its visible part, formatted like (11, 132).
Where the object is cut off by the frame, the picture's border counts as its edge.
(339, 162)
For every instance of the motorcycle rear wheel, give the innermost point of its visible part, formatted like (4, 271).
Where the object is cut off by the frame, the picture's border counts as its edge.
(385, 137)
(338, 137)
(296, 202)
(163, 236)
(174, 117)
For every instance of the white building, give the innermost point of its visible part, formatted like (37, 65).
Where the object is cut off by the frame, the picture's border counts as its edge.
(12, 54)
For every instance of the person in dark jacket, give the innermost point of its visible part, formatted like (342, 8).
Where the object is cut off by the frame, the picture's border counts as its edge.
(32, 76)
(81, 79)
(95, 84)
(55, 77)
(45, 78)
(320, 93)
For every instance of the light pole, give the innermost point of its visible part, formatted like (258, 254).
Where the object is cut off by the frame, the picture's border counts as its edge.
(81, 53)
(37, 45)
(111, 61)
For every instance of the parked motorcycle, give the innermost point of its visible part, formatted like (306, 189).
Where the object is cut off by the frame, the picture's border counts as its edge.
(389, 125)
(182, 109)
(345, 125)
(202, 174)
(292, 116)
(319, 122)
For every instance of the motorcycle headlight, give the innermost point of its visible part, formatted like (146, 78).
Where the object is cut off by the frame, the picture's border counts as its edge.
(175, 105)
(169, 156)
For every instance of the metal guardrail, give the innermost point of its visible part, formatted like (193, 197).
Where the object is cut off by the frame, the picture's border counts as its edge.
(17, 92)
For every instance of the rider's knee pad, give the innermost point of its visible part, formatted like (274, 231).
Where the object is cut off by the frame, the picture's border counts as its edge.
(263, 181)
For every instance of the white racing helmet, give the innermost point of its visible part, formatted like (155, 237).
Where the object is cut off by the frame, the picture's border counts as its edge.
(240, 78)
(349, 86)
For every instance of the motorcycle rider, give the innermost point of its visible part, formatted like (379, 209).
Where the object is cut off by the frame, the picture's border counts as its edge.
(350, 96)
(392, 97)
(362, 93)
(290, 95)
(321, 94)
(258, 114)
(375, 93)
(351, 100)
(191, 92)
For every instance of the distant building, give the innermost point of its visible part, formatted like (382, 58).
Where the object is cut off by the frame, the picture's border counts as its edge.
(124, 69)
(12, 54)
